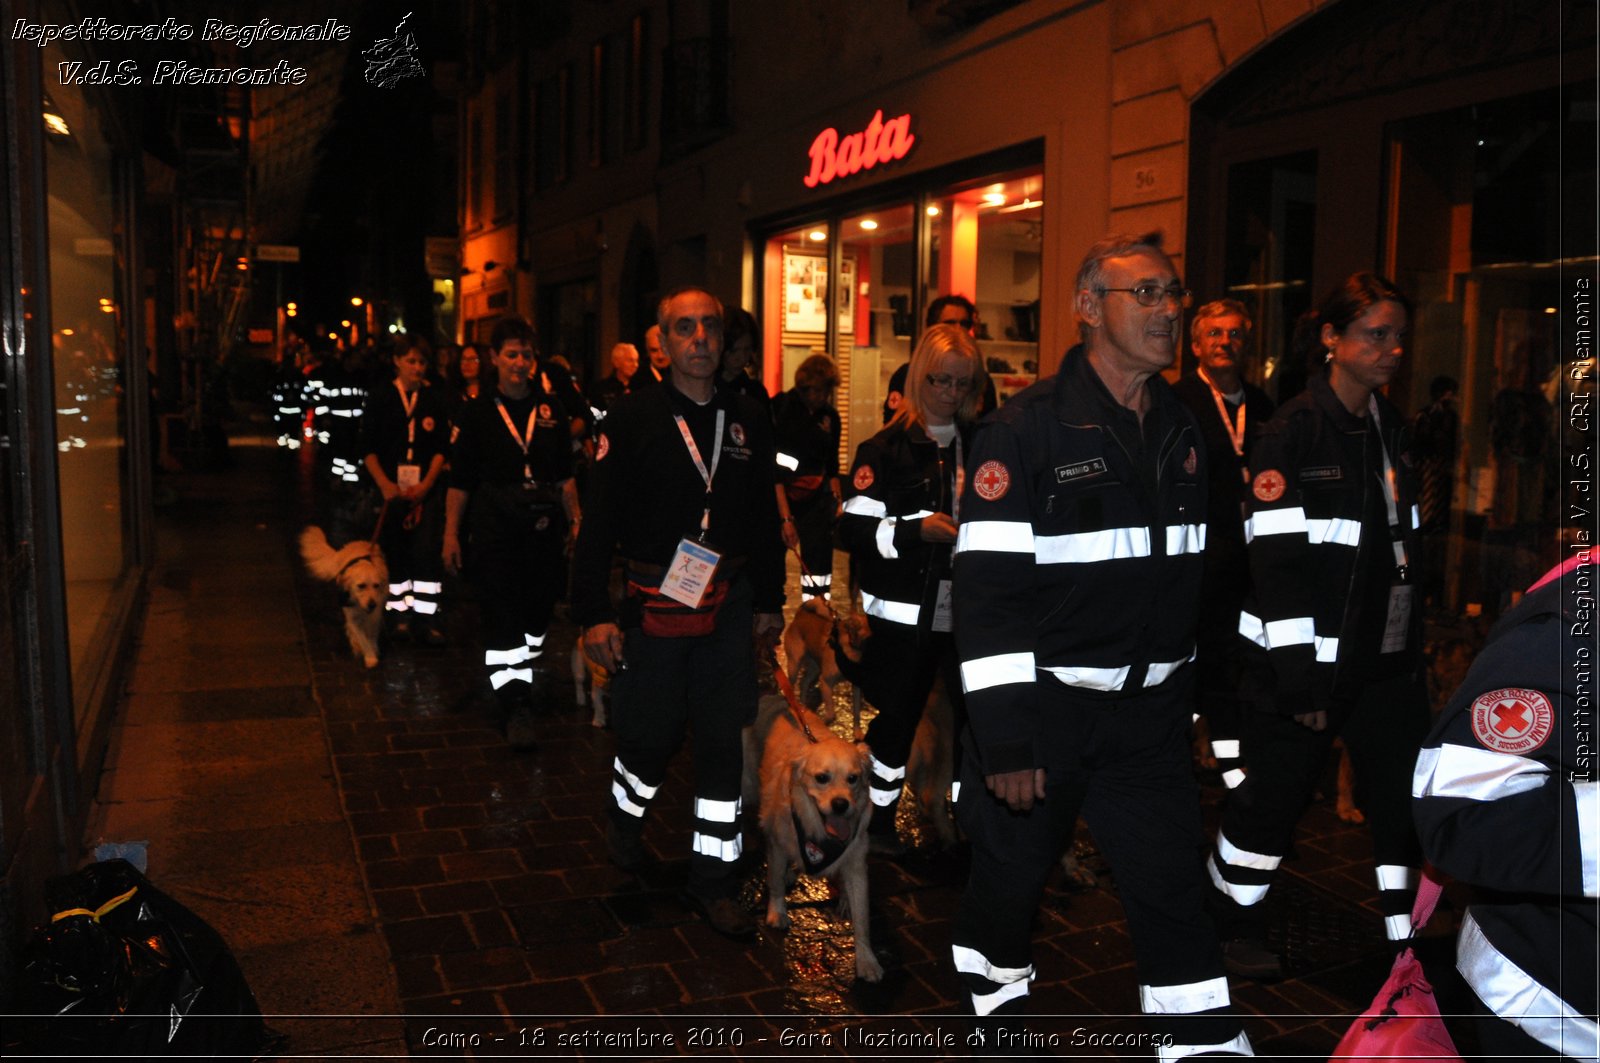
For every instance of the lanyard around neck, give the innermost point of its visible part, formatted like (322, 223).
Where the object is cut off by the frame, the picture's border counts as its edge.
(1391, 487)
(524, 439)
(699, 463)
(960, 477)
(1235, 430)
(408, 402)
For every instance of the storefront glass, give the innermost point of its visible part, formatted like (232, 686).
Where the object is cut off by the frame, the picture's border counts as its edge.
(89, 317)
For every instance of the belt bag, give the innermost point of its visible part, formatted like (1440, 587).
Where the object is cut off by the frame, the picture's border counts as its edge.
(663, 618)
(803, 488)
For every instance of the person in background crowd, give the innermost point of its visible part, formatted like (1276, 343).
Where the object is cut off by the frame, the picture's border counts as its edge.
(405, 432)
(659, 365)
(1077, 584)
(808, 433)
(1230, 412)
(1506, 803)
(607, 393)
(899, 525)
(1331, 632)
(741, 357)
(1435, 431)
(467, 378)
(512, 461)
(682, 487)
(945, 310)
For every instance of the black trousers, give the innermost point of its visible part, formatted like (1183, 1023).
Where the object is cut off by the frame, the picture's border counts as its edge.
(416, 569)
(1126, 765)
(903, 662)
(813, 522)
(517, 577)
(1383, 726)
(672, 686)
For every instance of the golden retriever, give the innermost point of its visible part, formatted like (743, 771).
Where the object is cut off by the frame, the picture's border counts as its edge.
(362, 575)
(814, 813)
(931, 765)
(591, 685)
(809, 647)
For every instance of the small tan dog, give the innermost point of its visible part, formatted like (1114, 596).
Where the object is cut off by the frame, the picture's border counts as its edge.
(591, 686)
(814, 813)
(808, 645)
(362, 575)
(931, 765)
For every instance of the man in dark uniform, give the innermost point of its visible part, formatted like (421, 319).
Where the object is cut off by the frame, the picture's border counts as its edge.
(513, 461)
(1230, 412)
(610, 391)
(682, 488)
(1077, 581)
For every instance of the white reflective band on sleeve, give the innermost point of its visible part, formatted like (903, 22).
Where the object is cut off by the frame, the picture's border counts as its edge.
(1296, 631)
(716, 811)
(1475, 774)
(1002, 668)
(1183, 999)
(717, 848)
(1225, 748)
(1337, 530)
(646, 792)
(1245, 895)
(399, 588)
(885, 771)
(955, 791)
(426, 587)
(1515, 996)
(1091, 678)
(865, 506)
(1160, 671)
(1232, 778)
(512, 656)
(1081, 548)
(1250, 628)
(971, 961)
(1397, 877)
(533, 640)
(397, 605)
(1291, 521)
(425, 606)
(625, 801)
(1587, 796)
(884, 537)
(1185, 539)
(882, 796)
(1397, 927)
(788, 462)
(1238, 1046)
(884, 609)
(1416, 517)
(506, 675)
(1327, 649)
(1001, 536)
(1238, 857)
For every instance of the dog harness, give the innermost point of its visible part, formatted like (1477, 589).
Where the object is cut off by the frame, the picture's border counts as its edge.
(352, 561)
(818, 855)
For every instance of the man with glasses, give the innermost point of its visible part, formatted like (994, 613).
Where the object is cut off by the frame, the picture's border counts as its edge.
(955, 310)
(512, 459)
(1230, 412)
(1077, 583)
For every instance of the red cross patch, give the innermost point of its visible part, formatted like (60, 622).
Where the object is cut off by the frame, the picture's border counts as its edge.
(1512, 720)
(603, 448)
(544, 411)
(862, 478)
(427, 424)
(991, 481)
(736, 433)
(1268, 485)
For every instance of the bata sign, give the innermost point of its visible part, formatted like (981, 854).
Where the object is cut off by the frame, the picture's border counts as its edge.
(834, 156)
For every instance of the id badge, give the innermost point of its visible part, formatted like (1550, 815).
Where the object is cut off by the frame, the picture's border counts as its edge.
(690, 573)
(408, 475)
(944, 617)
(1397, 627)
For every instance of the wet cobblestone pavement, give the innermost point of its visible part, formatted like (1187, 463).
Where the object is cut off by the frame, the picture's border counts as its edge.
(510, 933)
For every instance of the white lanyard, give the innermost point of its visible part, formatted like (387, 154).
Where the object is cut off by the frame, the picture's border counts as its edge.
(960, 479)
(699, 463)
(408, 402)
(1391, 488)
(1235, 431)
(523, 441)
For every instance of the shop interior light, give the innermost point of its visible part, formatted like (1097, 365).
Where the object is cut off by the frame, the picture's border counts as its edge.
(107, 308)
(933, 212)
(1549, 309)
(869, 224)
(994, 199)
(56, 124)
(817, 235)
(66, 332)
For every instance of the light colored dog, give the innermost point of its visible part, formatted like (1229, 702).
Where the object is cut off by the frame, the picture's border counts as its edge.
(814, 813)
(362, 576)
(808, 645)
(591, 686)
(931, 765)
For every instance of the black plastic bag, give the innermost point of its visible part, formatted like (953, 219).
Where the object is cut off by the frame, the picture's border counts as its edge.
(124, 970)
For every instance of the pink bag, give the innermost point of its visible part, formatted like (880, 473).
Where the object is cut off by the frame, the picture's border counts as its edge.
(1403, 1020)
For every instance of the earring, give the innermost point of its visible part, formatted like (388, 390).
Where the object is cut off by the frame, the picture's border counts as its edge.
(1328, 357)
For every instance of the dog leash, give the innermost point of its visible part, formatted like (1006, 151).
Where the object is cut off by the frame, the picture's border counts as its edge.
(838, 649)
(792, 704)
(382, 513)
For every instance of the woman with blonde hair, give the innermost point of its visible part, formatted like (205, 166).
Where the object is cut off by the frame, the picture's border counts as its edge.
(899, 524)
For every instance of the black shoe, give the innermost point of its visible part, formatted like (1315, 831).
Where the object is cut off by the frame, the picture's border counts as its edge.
(1250, 958)
(432, 636)
(725, 916)
(626, 850)
(521, 734)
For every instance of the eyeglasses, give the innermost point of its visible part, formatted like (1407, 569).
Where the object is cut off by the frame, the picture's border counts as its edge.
(1153, 294)
(963, 322)
(946, 382)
